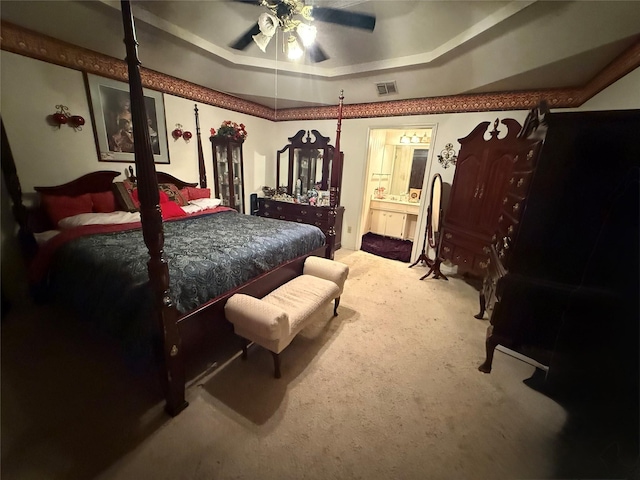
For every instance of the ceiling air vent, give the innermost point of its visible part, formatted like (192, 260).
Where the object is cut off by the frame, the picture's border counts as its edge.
(386, 88)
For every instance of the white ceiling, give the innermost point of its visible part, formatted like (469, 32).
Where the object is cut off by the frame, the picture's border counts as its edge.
(429, 48)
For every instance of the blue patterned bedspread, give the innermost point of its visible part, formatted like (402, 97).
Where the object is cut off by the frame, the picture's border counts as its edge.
(105, 275)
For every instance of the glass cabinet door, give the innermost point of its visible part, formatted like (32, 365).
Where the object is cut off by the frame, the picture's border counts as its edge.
(223, 175)
(236, 164)
(228, 172)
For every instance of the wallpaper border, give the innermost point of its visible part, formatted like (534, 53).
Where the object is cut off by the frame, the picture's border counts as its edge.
(26, 42)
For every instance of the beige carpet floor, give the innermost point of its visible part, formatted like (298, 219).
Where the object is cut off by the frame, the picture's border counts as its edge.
(389, 389)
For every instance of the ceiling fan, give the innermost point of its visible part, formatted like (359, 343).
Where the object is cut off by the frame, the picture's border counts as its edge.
(295, 19)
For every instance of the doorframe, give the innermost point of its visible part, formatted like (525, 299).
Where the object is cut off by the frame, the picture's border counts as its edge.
(426, 185)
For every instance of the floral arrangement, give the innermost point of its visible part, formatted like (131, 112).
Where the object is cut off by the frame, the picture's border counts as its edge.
(231, 130)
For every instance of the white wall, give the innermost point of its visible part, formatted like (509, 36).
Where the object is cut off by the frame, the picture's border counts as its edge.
(47, 155)
(622, 95)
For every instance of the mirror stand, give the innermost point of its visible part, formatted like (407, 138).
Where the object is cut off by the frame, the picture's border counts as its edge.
(432, 232)
(426, 261)
(434, 265)
(435, 269)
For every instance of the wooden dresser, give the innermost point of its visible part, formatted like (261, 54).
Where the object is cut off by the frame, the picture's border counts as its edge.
(321, 217)
(309, 180)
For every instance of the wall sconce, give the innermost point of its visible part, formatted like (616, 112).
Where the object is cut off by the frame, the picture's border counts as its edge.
(63, 117)
(404, 138)
(415, 138)
(447, 156)
(178, 132)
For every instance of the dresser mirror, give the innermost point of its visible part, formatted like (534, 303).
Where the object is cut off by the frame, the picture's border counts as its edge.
(308, 180)
(304, 164)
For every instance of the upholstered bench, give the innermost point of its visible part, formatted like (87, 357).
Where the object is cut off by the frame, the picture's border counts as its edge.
(274, 320)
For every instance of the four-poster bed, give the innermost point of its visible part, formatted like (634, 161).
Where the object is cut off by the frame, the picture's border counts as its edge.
(183, 315)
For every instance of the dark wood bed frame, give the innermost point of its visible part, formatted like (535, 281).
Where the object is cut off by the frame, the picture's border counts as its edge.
(195, 329)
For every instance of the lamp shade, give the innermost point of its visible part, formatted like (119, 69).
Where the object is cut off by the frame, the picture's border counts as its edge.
(268, 25)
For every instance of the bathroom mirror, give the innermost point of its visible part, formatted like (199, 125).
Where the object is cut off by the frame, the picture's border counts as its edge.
(409, 163)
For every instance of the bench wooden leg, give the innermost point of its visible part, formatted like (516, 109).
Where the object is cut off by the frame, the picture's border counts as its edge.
(276, 364)
(335, 308)
(245, 344)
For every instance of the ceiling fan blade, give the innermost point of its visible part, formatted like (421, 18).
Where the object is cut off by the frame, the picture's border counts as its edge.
(245, 40)
(342, 17)
(316, 54)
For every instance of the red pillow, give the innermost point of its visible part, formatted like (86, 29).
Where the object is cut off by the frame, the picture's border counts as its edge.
(163, 197)
(103, 202)
(171, 210)
(193, 193)
(60, 206)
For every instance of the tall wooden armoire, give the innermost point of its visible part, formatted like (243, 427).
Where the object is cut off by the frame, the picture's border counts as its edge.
(481, 178)
(566, 276)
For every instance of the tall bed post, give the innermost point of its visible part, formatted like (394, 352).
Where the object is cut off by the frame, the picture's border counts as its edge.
(201, 169)
(334, 188)
(170, 345)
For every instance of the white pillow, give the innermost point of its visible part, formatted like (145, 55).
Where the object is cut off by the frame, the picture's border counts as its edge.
(201, 204)
(42, 237)
(206, 202)
(99, 219)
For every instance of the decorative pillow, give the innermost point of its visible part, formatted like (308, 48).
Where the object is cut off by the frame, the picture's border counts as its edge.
(103, 202)
(193, 193)
(60, 206)
(123, 192)
(173, 193)
(171, 210)
(163, 197)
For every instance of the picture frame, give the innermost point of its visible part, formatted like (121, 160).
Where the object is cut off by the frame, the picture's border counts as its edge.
(110, 104)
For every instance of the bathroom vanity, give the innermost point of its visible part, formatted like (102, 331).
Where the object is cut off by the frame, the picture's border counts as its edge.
(393, 218)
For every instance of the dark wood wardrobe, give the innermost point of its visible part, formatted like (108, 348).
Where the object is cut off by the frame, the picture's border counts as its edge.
(483, 170)
(563, 277)
(563, 274)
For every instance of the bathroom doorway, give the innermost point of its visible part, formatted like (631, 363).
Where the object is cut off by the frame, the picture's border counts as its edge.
(397, 165)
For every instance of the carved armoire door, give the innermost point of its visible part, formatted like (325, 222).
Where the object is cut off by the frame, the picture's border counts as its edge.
(481, 178)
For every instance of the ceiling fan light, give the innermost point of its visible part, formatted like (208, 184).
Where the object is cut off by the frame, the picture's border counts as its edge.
(404, 138)
(262, 41)
(307, 34)
(294, 51)
(415, 138)
(268, 25)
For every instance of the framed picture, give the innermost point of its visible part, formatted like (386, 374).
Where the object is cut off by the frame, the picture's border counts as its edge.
(111, 115)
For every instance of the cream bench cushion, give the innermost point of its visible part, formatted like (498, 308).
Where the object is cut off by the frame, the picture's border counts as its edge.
(275, 320)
